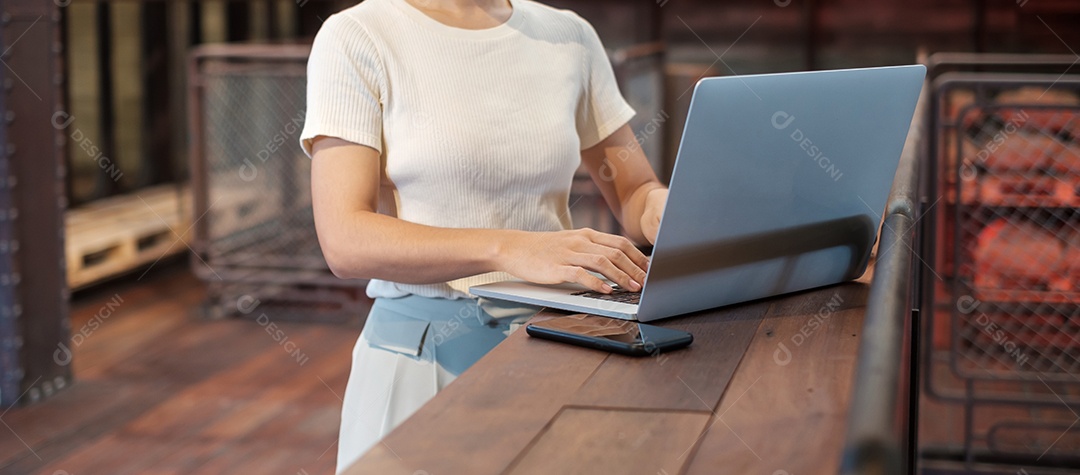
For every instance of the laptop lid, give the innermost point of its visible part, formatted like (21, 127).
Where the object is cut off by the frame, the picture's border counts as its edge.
(779, 185)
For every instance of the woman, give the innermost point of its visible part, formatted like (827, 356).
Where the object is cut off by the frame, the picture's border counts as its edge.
(444, 137)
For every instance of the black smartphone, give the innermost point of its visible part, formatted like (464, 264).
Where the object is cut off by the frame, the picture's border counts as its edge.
(610, 334)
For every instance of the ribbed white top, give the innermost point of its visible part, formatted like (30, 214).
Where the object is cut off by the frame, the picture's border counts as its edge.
(477, 128)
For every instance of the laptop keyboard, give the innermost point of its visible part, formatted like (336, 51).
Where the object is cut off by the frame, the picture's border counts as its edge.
(617, 295)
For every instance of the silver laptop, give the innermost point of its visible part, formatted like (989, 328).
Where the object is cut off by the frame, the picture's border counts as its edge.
(779, 186)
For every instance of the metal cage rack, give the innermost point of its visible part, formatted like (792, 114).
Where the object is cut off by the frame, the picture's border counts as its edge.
(1003, 251)
(255, 242)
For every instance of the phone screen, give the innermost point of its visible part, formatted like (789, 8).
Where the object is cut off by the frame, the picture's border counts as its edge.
(622, 331)
(610, 334)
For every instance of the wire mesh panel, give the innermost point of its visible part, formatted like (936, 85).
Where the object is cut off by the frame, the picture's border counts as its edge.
(255, 233)
(1016, 220)
(257, 178)
(1004, 336)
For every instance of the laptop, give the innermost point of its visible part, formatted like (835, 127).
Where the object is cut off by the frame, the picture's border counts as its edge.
(779, 185)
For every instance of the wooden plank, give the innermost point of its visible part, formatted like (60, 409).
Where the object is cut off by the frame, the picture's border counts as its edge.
(495, 409)
(184, 458)
(148, 202)
(113, 453)
(205, 347)
(171, 394)
(786, 407)
(62, 425)
(272, 402)
(127, 336)
(612, 441)
(267, 458)
(692, 379)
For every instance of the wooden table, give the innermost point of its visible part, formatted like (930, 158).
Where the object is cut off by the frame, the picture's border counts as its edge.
(764, 389)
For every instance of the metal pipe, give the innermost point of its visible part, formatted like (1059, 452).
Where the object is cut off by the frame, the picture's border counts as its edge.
(873, 444)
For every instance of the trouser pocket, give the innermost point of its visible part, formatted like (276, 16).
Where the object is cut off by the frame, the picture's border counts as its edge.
(393, 331)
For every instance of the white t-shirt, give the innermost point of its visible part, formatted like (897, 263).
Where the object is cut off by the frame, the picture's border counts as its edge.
(476, 128)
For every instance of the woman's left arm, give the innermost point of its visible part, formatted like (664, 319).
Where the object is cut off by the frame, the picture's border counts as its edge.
(628, 183)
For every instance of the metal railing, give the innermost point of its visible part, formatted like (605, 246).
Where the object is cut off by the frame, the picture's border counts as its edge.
(877, 438)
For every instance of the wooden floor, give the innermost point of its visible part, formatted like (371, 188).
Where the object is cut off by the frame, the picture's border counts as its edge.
(159, 391)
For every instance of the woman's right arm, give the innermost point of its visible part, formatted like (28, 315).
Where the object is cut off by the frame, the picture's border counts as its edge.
(360, 243)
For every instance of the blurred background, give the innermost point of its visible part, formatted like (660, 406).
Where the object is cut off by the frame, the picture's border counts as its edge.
(166, 307)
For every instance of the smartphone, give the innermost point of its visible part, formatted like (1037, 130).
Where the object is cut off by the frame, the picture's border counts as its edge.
(610, 334)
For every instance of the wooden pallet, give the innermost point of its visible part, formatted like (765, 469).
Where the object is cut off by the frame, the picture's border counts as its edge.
(234, 209)
(236, 205)
(113, 236)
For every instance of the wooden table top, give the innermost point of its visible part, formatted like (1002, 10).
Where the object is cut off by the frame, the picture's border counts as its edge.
(763, 389)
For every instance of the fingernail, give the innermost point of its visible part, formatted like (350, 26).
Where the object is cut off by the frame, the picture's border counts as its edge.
(634, 285)
(607, 288)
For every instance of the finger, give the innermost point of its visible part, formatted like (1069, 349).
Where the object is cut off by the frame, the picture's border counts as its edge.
(603, 265)
(583, 277)
(623, 262)
(624, 245)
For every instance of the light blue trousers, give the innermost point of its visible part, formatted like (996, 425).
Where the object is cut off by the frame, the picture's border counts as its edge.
(410, 348)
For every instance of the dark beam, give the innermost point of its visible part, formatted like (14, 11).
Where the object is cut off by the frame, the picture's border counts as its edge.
(33, 287)
(157, 160)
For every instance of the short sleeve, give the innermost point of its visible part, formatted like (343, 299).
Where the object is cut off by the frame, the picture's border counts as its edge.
(602, 108)
(346, 85)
